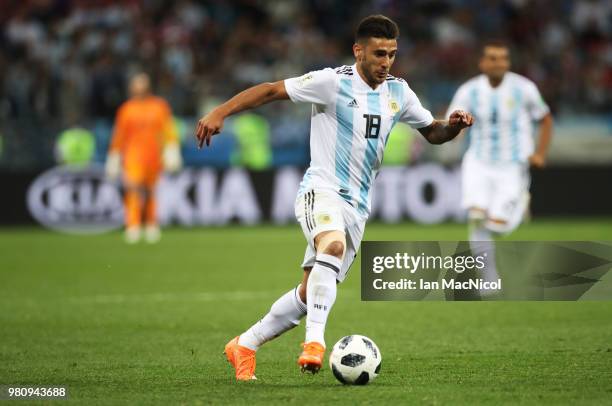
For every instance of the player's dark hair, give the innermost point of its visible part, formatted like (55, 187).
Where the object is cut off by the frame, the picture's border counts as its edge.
(494, 43)
(376, 26)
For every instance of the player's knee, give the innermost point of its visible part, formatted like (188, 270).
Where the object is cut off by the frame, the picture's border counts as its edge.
(331, 243)
(477, 215)
(335, 248)
(498, 227)
(135, 189)
(132, 188)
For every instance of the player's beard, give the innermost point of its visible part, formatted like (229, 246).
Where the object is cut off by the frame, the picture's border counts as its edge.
(497, 75)
(370, 73)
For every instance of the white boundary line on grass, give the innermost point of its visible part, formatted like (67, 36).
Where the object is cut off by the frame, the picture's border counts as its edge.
(188, 297)
(173, 297)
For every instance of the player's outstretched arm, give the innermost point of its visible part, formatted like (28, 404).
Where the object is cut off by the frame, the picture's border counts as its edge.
(212, 123)
(441, 131)
(538, 159)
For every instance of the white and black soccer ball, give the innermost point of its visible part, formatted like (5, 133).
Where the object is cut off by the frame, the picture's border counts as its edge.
(355, 360)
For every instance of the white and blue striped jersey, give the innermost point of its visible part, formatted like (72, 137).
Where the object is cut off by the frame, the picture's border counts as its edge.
(503, 117)
(349, 128)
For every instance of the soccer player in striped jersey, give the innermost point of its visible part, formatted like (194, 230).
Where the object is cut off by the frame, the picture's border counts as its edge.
(495, 168)
(353, 111)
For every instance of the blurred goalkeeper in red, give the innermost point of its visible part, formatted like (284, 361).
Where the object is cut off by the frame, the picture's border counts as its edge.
(144, 143)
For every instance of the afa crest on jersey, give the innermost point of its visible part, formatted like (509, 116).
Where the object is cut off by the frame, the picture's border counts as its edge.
(324, 219)
(394, 106)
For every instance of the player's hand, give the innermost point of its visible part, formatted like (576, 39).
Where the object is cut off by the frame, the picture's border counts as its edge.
(171, 157)
(461, 119)
(537, 161)
(112, 167)
(209, 125)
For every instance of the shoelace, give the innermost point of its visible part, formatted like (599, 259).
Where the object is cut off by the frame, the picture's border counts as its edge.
(245, 364)
(310, 347)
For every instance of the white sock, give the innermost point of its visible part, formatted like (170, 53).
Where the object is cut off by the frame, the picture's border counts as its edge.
(321, 295)
(284, 315)
(482, 243)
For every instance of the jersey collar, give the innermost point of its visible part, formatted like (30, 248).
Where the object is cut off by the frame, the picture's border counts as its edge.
(500, 86)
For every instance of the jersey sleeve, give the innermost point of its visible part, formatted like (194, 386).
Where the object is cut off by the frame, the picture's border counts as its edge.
(536, 106)
(460, 101)
(414, 114)
(317, 87)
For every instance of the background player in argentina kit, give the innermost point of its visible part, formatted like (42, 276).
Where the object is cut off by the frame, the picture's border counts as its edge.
(495, 168)
(354, 109)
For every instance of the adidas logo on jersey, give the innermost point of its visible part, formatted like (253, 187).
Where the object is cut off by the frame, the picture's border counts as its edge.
(353, 103)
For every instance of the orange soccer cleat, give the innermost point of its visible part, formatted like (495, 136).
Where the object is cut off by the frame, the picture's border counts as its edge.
(311, 358)
(242, 359)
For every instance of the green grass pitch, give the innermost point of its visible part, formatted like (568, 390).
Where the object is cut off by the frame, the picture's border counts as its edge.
(142, 324)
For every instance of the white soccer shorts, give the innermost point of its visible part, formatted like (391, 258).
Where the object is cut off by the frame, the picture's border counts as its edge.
(502, 190)
(323, 210)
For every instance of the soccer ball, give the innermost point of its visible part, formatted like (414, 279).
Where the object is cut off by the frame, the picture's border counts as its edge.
(355, 360)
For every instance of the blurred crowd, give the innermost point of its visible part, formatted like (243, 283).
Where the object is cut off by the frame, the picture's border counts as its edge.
(64, 61)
